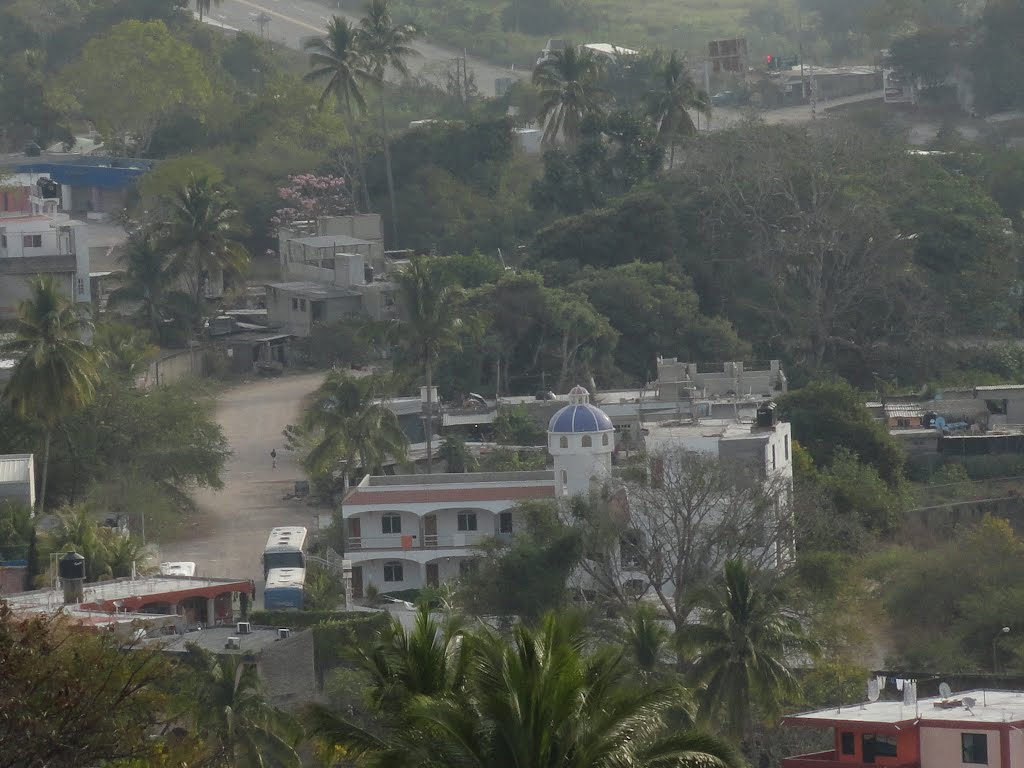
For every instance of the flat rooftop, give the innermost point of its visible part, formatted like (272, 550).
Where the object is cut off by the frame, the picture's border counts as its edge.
(330, 241)
(310, 290)
(453, 488)
(726, 429)
(989, 707)
(128, 590)
(215, 639)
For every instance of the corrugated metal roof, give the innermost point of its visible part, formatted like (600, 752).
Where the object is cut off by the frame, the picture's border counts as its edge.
(14, 468)
(904, 410)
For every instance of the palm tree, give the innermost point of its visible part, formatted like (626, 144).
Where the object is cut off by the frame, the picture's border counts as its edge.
(338, 59)
(433, 319)
(146, 280)
(646, 639)
(348, 423)
(386, 45)
(744, 639)
(669, 104)
(57, 370)
(540, 700)
(230, 713)
(569, 91)
(201, 234)
(203, 6)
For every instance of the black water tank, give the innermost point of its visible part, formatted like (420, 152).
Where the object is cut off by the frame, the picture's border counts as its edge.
(71, 566)
(766, 415)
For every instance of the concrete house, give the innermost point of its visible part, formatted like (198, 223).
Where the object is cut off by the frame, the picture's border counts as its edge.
(42, 244)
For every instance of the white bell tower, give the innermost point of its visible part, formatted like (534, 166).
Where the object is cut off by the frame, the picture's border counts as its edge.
(581, 440)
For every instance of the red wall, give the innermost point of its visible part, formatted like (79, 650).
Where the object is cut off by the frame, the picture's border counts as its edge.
(15, 200)
(908, 744)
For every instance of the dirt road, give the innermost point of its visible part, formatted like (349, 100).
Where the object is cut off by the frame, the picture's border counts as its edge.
(234, 522)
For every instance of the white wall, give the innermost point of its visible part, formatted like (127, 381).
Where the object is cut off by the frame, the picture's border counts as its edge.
(941, 748)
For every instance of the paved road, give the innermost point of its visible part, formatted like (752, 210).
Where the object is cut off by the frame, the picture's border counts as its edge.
(292, 21)
(722, 117)
(235, 521)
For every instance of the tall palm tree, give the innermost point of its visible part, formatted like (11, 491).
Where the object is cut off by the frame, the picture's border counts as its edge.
(203, 7)
(229, 711)
(647, 639)
(539, 700)
(433, 318)
(338, 59)
(569, 91)
(669, 104)
(348, 423)
(146, 280)
(201, 234)
(744, 641)
(57, 370)
(386, 45)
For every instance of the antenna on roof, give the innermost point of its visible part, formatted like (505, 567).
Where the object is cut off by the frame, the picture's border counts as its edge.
(945, 691)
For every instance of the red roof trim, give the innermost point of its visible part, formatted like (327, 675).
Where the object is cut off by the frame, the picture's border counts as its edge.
(917, 722)
(173, 597)
(435, 495)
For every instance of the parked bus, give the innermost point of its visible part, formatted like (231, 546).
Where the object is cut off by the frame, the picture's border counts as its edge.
(286, 548)
(285, 589)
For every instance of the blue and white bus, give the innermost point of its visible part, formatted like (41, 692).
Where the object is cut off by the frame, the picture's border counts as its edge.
(285, 589)
(286, 548)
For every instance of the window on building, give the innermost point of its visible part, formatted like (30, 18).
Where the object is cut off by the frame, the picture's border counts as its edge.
(295, 305)
(393, 571)
(505, 522)
(604, 439)
(391, 523)
(302, 305)
(32, 241)
(587, 442)
(786, 454)
(774, 463)
(631, 545)
(847, 746)
(81, 286)
(975, 748)
(565, 478)
(563, 442)
(3, 241)
(467, 521)
(877, 745)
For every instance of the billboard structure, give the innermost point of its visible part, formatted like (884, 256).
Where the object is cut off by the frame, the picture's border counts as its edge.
(728, 55)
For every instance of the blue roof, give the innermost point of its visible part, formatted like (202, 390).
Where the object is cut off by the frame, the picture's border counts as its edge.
(102, 173)
(582, 417)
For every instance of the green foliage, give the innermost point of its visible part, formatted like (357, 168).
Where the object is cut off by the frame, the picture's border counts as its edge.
(78, 693)
(527, 576)
(341, 343)
(16, 530)
(948, 603)
(828, 417)
(129, 81)
(507, 460)
(515, 426)
(569, 92)
(858, 491)
(456, 456)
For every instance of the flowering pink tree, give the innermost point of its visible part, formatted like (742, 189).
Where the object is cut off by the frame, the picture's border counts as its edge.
(308, 196)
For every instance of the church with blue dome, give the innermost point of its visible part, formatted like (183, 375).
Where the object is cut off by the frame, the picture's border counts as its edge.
(581, 440)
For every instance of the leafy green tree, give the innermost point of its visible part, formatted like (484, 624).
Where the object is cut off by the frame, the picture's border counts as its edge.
(670, 104)
(434, 317)
(514, 426)
(130, 80)
(56, 373)
(744, 639)
(348, 426)
(123, 349)
(829, 416)
(858, 492)
(239, 727)
(385, 45)
(456, 456)
(16, 529)
(570, 91)
(338, 59)
(69, 697)
(202, 235)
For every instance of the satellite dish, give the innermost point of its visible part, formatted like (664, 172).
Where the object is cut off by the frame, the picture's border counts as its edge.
(873, 691)
(970, 703)
(945, 691)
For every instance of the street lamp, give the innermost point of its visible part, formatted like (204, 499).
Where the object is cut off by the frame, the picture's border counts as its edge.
(995, 657)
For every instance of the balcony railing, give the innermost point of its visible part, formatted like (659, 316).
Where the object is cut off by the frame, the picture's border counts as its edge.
(830, 760)
(417, 542)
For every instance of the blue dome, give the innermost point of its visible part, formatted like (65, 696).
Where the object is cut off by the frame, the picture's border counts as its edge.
(579, 415)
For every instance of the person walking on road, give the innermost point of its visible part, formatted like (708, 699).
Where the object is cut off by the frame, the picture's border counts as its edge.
(273, 458)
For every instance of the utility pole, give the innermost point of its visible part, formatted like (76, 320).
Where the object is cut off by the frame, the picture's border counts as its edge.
(800, 48)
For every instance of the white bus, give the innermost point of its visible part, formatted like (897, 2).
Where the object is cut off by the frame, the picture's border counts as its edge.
(286, 548)
(285, 589)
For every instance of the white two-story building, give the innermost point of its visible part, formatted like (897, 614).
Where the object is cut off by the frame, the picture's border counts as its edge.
(42, 244)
